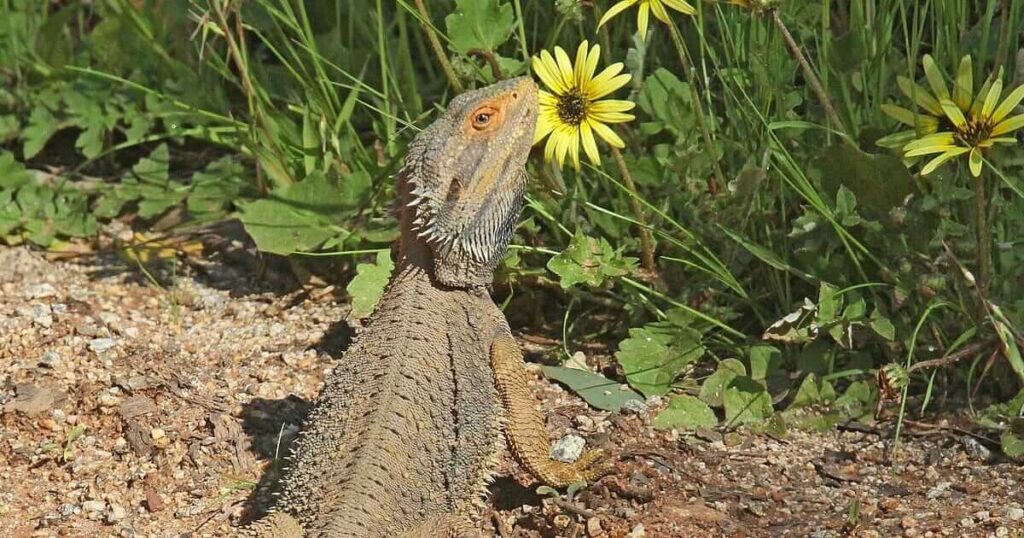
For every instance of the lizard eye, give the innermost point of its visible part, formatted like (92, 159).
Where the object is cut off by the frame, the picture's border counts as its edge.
(483, 117)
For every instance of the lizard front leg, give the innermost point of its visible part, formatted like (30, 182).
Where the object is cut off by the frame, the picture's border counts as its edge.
(524, 425)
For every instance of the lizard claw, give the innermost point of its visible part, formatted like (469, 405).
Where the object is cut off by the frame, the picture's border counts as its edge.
(593, 464)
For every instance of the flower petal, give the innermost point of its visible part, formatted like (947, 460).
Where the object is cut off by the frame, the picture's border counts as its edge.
(1010, 124)
(580, 63)
(934, 76)
(591, 67)
(545, 124)
(615, 10)
(919, 95)
(938, 161)
(611, 105)
(975, 162)
(954, 113)
(937, 139)
(928, 150)
(979, 99)
(612, 117)
(574, 146)
(680, 6)
(602, 86)
(963, 86)
(659, 11)
(992, 98)
(908, 117)
(564, 67)
(896, 140)
(589, 144)
(546, 68)
(643, 16)
(607, 134)
(1011, 102)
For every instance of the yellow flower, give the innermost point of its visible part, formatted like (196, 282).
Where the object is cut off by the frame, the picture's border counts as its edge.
(972, 123)
(573, 111)
(646, 7)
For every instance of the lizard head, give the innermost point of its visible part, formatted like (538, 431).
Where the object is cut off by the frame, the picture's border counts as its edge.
(462, 185)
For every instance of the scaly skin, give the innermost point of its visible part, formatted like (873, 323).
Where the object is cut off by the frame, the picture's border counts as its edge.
(407, 432)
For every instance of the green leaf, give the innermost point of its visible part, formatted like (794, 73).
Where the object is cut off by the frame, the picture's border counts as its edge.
(829, 303)
(294, 218)
(653, 356)
(589, 261)
(712, 392)
(813, 391)
(685, 412)
(12, 173)
(479, 24)
(368, 285)
(599, 391)
(746, 402)
(764, 360)
(41, 126)
(1012, 445)
(215, 188)
(882, 325)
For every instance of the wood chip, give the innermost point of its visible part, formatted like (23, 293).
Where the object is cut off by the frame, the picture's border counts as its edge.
(136, 406)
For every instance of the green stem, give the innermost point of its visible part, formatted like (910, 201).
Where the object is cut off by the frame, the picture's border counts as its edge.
(805, 66)
(646, 242)
(435, 43)
(984, 234)
(698, 107)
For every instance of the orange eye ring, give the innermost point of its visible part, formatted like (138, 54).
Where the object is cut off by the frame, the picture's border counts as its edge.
(483, 117)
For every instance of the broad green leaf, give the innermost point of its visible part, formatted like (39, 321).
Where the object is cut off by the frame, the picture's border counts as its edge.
(882, 325)
(1012, 445)
(746, 402)
(368, 285)
(598, 391)
(293, 218)
(685, 412)
(41, 126)
(813, 391)
(654, 356)
(712, 392)
(12, 173)
(479, 24)
(589, 261)
(764, 360)
(829, 303)
(215, 188)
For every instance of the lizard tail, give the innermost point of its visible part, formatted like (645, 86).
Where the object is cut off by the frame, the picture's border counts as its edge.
(274, 525)
(524, 424)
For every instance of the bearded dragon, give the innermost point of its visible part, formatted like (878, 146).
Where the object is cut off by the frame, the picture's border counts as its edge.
(408, 430)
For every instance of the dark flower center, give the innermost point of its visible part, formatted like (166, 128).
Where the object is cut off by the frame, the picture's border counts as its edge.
(572, 107)
(975, 131)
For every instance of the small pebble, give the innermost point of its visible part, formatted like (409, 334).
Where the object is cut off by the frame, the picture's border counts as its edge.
(1002, 532)
(974, 449)
(568, 448)
(967, 523)
(634, 406)
(1015, 514)
(637, 532)
(99, 345)
(50, 359)
(584, 422)
(116, 513)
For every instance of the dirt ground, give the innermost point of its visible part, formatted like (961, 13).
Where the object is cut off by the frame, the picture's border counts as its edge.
(136, 409)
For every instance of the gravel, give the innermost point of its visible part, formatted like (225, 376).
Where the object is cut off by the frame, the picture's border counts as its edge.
(140, 410)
